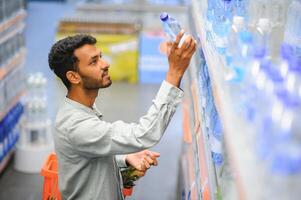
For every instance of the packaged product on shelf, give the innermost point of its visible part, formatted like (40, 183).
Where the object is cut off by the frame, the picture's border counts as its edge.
(221, 25)
(262, 35)
(293, 27)
(1, 141)
(232, 49)
(216, 139)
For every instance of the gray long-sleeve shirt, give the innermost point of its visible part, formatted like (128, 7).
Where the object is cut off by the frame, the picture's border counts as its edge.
(86, 145)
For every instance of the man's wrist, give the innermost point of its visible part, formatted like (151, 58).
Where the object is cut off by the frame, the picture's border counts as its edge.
(174, 78)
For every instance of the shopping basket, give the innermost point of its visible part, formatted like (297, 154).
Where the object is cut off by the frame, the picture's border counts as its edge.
(49, 172)
(50, 188)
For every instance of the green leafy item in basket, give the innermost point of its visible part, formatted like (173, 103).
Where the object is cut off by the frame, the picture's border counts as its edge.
(129, 176)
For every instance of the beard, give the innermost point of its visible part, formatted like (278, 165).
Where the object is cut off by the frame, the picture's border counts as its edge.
(94, 84)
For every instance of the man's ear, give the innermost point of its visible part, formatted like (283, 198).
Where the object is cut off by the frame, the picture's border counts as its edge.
(73, 77)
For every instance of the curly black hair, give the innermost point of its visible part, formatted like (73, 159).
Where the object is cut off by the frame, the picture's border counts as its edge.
(61, 57)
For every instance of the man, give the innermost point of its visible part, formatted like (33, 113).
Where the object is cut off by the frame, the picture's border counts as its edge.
(86, 146)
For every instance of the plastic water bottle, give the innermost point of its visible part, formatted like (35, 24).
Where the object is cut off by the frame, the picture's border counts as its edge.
(233, 47)
(262, 34)
(240, 8)
(285, 162)
(2, 98)
(210, 12)
(293, 80)
(258, 9)
(293, 27)
(221, 25)
(238, 26)
(286, 52)
(278, 12)
(216, 139)
(248, 85)
(244, 55)
(1, 141)
(171, 27)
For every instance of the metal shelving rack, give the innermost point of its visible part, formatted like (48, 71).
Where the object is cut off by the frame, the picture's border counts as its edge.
(11, 29)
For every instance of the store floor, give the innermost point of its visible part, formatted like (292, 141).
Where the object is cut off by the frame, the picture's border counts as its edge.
(121, 101)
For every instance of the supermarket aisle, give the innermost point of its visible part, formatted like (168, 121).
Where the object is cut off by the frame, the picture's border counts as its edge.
(121, 101)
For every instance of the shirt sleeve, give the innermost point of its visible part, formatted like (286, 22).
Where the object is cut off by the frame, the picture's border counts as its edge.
(120, 159)
(93, 137)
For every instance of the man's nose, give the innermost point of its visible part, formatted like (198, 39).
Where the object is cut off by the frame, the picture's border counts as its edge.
(104, 65)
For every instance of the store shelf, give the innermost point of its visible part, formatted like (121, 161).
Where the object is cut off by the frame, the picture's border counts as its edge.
(11, 105)
(5, 160)
(12, 63)
(18, 17)
(238, 145)
(19, 28)
(207, 176)
(131, 8)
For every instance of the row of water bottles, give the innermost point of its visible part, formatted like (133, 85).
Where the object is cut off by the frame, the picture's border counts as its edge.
(210, 121)
(36, 100)
(9, 132)
(270, 22)
(11, 86)
(267, 93)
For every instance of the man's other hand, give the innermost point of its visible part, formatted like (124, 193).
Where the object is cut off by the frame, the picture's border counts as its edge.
(142, 160)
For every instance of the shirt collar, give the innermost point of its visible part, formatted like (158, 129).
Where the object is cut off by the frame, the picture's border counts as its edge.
(93, 110)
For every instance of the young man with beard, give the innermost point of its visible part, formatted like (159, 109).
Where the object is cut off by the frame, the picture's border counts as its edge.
(90, 150)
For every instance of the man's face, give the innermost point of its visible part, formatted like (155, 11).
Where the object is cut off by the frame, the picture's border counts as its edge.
(94, 71)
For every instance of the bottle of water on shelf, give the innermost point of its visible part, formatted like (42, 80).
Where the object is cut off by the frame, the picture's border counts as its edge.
(1, 141)
(278, 12)
(171, 27)
(240, 8)
(258, 9)
(286, 57)
(248, 87)
(292, 33)
(242, 58)
(221, 25)
(210, 12)
(285, 162)
(238, 26)
(293, 79)
(216, 139)
(2, 99)
(262, 34)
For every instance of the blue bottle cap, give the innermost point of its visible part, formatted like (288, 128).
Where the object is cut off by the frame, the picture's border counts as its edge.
(289, 100)
(265, 65)
(295, 65)
(286, 51)
(246, 36)
(259, 52)
(286, 162)
(274, 74)
(164, 16)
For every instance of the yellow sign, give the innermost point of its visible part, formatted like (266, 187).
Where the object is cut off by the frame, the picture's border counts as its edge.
(121, 51)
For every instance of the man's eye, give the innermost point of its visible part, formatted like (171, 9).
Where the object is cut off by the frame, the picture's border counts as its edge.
(94, 62)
